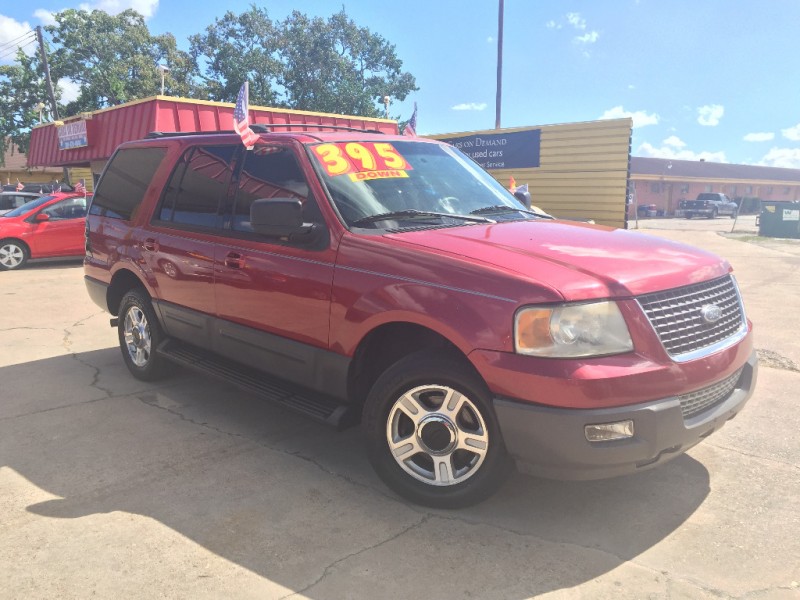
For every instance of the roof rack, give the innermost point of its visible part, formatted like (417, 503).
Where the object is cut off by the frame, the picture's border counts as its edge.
(258, 128)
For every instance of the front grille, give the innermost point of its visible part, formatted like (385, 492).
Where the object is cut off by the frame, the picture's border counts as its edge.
(676, 315)
(696, 402)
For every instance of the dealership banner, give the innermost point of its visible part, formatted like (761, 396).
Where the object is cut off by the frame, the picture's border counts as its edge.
(513, 150)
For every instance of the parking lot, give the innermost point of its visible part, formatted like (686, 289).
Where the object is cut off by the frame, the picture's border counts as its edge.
(113, 488)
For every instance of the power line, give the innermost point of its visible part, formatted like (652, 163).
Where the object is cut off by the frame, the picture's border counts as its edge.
(13, 51)
(14, 41)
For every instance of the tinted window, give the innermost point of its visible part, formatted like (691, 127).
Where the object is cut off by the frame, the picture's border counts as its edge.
(197, 186)
(271, 172)
(125, 180)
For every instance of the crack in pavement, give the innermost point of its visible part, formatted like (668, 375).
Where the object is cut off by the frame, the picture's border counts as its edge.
(770, 358)
(750, 455)
(331, 566)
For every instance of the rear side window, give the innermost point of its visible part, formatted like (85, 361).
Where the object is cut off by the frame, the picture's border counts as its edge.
(124, 182)
(197, 186)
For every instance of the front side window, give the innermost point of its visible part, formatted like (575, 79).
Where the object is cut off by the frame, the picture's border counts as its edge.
(124, 182)
(271, 172)
(193, 197)
(71, 208)
(411, 180)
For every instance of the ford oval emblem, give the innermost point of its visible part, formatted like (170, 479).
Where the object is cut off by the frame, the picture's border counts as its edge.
(711, 313)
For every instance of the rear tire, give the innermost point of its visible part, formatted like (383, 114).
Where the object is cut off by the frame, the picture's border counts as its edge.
(139, 336)
(13, 255)
(432, 435)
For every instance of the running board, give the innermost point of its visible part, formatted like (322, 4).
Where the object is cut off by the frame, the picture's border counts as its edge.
(311, 404)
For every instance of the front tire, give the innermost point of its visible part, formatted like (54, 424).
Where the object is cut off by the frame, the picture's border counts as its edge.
(139, 336)
(432, 433)
(13, 255)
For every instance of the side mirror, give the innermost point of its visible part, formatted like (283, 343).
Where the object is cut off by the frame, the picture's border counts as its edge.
(525, 198)
(277, 217)
(41, 217)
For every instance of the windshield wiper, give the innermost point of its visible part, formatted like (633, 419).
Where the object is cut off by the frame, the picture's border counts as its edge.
(409, 213)
(500, 208)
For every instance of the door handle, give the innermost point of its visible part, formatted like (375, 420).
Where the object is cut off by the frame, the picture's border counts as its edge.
(150, 245)
(234, 260)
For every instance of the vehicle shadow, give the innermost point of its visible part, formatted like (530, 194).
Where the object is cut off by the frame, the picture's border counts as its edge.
(298, 504)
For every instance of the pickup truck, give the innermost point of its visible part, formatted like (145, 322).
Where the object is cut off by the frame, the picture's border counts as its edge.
(710, 205)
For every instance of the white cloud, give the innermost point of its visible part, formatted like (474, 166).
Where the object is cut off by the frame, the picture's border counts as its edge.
(792, 133)
(710, 114)
(671, 152)
(788, 158)
(469, 106)
(18, 33)
(70, 90)
(759, 137)
(576, 21)
(489, 40)
(45, 16)
(552, 25)
(631, 86)
(145, 7)
(674, 141)
(640, 118)
(589, 38)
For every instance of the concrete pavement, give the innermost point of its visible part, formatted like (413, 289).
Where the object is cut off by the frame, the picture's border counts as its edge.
(112, 488)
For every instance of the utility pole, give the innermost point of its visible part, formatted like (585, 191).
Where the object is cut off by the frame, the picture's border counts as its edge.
(53, 105)
(499, 99)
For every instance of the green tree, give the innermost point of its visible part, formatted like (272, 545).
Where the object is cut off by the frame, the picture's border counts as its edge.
(336, 66)
(236, 48)
(113, 58)
(22, 88)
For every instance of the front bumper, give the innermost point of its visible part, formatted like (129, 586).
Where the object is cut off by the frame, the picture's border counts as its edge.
(550, 442)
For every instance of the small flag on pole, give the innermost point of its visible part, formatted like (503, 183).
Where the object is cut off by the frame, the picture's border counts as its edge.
(512, 185)
(411, 127)
(80, 188)
(20, 187)
(241, 117)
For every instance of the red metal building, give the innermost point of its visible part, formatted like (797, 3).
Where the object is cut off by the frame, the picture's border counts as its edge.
(89, 139)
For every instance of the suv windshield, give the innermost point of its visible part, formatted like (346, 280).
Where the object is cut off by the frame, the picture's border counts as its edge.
(375, 182)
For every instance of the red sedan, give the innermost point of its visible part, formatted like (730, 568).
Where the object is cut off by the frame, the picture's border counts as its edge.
(48, 227)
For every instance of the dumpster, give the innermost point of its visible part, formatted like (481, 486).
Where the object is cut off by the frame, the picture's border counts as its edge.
(779, 219)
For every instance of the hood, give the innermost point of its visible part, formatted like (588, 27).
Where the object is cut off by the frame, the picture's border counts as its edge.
(580, 261)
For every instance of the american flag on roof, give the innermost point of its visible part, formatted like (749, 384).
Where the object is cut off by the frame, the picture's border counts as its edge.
(241, 117)
(80, 188)
(20, 187)
(411, 126)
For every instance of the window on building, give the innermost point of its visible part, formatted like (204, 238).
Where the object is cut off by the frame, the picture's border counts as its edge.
(732, 190)
(787, 190)
(197, 186)
(769, 191)
(684, 188)
(655, 188)
(708, 187)
(749, 190)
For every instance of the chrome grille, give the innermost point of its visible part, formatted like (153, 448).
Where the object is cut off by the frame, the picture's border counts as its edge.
(677, 318)
(696, 402)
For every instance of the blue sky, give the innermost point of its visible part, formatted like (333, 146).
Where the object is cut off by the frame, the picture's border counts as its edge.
(713, 79)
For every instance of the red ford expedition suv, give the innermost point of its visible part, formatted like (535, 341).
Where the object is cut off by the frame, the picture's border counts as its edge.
(359, 277)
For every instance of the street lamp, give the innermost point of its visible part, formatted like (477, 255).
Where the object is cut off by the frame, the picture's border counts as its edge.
(40, 107)
(386, 100)
(163, 70)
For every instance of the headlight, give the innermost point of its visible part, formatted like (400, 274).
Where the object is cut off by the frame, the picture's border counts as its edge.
(571, 330)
